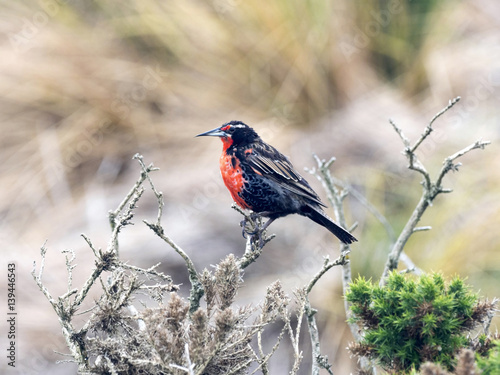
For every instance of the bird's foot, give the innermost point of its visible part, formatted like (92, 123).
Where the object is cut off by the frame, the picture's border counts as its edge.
(258, 238)
(252, 226)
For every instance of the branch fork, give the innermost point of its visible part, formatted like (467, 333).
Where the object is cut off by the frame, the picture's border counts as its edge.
(431, 188)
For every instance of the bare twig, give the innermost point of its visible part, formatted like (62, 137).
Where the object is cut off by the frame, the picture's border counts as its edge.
(264, 358)
(113, 215)
(294, 336)
(491, 315)
(340, 261)
(429, 128)
(336, 197)
(70, 266)
(449, 166)
(318, 360)
(190, 366)
(76, 346)
(158, 194)
(38, 278)
(410, 266)
(120, 221)
(138, 183)
(132, 197)
(43, 252)
(375, 212)
(196, 291)
(151, 272)
(430, 188)
(105, 261)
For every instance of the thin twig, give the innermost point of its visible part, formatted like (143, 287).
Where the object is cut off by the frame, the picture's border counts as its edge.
(264, 359)
(348, 189)
(410, 266)
(318, 361)
(190, 366)
(491, 315)
(294, 336)
(429, 128)
(69, 267)
(138, 183)
(336, 198)
(340, 261)
(158, 194)
(448, 162)
(398, 130)
(151, 271)
(196, 291)
(196, 287)
(38, 278)
(133, 194)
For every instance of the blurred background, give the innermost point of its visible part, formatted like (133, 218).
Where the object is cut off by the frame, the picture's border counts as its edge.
(86, 85)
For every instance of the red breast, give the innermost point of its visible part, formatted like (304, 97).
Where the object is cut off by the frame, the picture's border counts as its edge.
(232, 174)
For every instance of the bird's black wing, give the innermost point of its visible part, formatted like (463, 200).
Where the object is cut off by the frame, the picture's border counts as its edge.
(269, 162)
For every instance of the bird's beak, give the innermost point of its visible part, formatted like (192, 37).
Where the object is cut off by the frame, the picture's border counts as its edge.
(217, 132)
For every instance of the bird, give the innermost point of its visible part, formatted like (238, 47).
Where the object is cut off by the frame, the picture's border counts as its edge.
(263, 180)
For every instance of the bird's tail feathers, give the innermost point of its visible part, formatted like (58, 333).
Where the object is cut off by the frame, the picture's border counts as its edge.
(317, 215)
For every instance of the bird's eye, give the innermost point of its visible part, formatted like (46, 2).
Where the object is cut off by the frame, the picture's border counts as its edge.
(228, 129)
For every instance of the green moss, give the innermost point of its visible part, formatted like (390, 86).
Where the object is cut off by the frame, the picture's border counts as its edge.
(490, 365)
(413, 320)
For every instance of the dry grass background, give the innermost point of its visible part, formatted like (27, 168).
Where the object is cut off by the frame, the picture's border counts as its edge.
(86, 85)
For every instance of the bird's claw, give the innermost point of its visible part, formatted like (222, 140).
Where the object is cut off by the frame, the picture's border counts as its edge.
(244, 232)
(258, 230)
(253, 225)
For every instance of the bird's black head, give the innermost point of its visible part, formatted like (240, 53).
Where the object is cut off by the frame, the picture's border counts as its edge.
(233, 132)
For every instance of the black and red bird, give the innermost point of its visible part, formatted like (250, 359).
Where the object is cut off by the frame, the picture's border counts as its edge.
(263, 180)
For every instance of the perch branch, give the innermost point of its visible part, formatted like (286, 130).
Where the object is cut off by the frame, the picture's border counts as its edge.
(254, 243)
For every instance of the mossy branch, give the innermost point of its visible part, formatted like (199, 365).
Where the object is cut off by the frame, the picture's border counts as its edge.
(67, 305)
